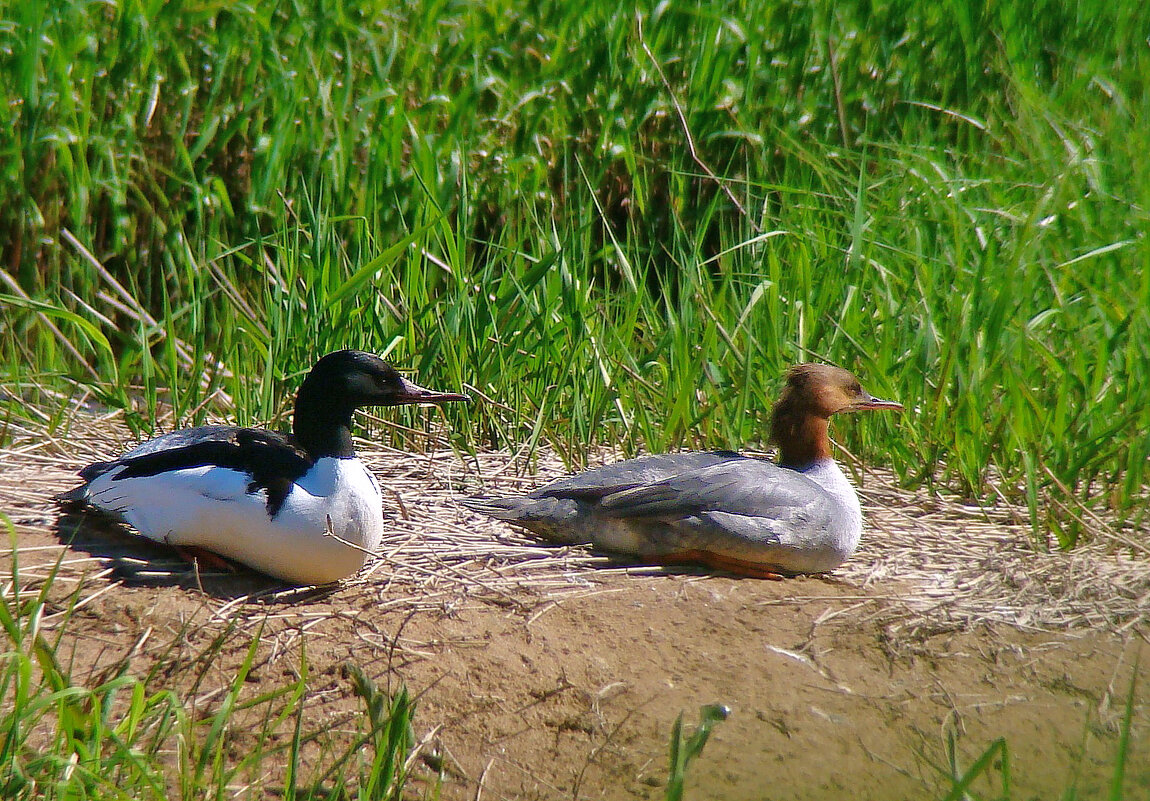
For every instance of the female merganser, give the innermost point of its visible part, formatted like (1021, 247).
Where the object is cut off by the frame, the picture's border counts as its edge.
(721, 509)
(267, 500)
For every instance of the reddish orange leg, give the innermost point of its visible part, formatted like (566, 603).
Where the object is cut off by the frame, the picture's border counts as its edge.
(719, 562)
(193, 554)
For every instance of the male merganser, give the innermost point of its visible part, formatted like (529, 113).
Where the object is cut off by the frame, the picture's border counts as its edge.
(267, 500)
(721, 509)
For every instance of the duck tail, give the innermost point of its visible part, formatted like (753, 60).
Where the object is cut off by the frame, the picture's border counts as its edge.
(77, 496)
(499, 508)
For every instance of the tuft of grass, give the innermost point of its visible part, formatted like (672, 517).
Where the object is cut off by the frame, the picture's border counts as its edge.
(995, 757)
(1119, 776)
(684, 749)
(389, 735)
(993, 766)
(114, 735)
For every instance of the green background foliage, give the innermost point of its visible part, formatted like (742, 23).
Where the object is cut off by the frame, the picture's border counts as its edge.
(621, 225)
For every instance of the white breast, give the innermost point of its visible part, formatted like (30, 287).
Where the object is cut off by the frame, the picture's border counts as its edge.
(210, 507)
(847, 528)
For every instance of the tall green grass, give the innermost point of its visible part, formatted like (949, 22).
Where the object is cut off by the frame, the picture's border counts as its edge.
(620, 226)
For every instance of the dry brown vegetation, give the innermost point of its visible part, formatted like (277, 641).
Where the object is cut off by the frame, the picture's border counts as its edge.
(555, 673)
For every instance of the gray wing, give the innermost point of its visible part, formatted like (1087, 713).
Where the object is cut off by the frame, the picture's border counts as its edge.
(182, 439)
(744, 486)
(749, 510)
(613, 478)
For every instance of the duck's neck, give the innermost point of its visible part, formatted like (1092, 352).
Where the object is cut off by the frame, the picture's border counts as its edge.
(322, 430)
(805, 446)
(802, 438)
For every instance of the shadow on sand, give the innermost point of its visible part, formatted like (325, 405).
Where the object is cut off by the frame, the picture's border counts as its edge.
(139, 561)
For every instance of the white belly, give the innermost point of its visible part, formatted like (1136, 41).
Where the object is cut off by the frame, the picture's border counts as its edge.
(209, 507)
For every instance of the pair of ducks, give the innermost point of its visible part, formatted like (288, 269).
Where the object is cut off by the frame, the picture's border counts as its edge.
(303, 509)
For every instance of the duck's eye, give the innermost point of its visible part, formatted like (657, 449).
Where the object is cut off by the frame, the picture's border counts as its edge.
(856, 388)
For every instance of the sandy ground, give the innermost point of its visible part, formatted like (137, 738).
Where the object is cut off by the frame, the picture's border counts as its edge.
(555, 674)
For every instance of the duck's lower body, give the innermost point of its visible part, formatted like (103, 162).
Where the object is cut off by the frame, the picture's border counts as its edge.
(732, 543)
(308, 540)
